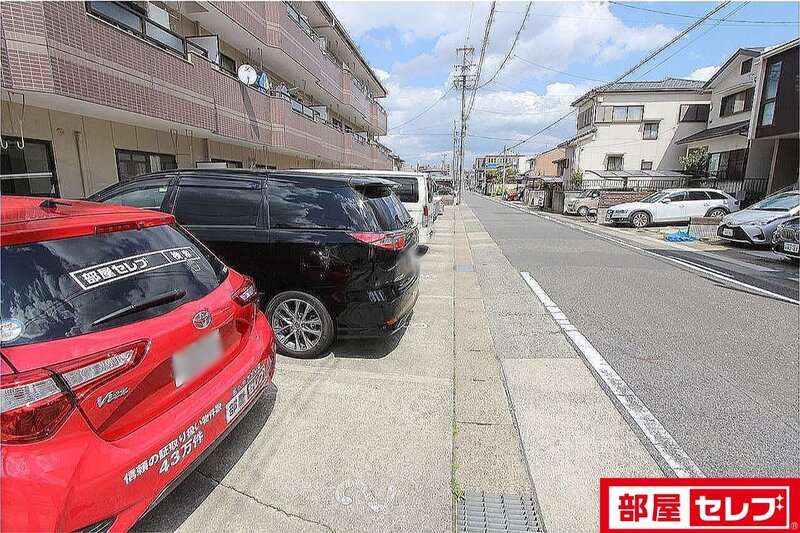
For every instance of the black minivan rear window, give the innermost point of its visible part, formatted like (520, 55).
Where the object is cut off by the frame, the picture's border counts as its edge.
(383, 210)
(63, 288)
(408, 191)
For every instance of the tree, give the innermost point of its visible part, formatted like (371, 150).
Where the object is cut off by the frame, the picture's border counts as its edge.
(696, 161)
(577, 178)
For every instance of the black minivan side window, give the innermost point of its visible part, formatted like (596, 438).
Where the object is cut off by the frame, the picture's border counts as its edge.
(148, 194)
(218, 202)
(311, 205)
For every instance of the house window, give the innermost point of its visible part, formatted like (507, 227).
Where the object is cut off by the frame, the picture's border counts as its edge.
(694, 112)
(227, 63)
(631, 113)
(747, 66)
(132, 163)
(614, 162)
(770, 93)
(650, 131)
(647, 165)
(30, 171)
(736, 103)
(229, 163)
(728, 165)
(585, 117)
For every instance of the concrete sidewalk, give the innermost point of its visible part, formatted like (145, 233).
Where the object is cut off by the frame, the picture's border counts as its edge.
(571, 433)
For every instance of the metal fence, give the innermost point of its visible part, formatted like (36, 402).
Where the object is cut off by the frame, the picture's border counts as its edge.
(748, 189)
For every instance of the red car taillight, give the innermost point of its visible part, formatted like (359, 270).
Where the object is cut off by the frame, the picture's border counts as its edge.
(387, 241)
(86, 374)
(34, 404)
(247, 293)
(33, 407)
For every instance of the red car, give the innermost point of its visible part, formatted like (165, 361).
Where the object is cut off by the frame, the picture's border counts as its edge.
(129, 352)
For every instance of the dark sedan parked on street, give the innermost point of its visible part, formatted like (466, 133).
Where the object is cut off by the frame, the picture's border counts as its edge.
(786, 239)
(330, 255)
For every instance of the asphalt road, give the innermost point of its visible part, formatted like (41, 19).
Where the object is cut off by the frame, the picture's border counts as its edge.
(717, 364)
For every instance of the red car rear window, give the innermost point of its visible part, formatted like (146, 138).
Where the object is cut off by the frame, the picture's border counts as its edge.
(63, 288)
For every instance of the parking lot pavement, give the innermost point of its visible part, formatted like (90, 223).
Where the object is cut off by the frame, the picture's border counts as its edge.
(359, 440)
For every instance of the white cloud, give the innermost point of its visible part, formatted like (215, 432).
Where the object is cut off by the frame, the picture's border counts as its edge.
(563, 36)
(703, 73)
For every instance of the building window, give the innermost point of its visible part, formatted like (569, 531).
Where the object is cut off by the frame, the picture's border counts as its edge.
(229, 163)
(585, 117)
(227, 63)
(132, 163)
(770, 93)
(736, 103)
(728, 165)
(647, 165)
(631, 113)
(694, 112)
(614, 162)
(747, 66)
(134, 18)
(30, 171)
(650, 131)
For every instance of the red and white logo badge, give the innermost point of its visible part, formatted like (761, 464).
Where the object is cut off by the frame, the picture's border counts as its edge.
(700, 504)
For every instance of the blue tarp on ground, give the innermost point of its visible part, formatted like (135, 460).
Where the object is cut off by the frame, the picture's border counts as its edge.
(679, 236)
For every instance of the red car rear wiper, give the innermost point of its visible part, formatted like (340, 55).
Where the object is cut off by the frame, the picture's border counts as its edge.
(161, 299)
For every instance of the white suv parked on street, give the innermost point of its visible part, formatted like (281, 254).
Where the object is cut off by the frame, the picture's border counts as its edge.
(673, 205)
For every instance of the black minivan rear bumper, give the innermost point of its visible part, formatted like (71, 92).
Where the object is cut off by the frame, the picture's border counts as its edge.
(366, 318)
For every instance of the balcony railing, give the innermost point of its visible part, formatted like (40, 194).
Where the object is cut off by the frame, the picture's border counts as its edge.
(130, 19)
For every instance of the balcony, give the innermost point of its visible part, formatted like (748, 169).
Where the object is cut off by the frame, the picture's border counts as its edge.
(135, 21)
(358, 98)
(378, 117)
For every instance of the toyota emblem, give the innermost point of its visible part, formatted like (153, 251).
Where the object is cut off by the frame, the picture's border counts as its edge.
(202, 319)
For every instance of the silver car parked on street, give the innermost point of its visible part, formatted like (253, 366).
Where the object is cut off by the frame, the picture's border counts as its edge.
(756, 224)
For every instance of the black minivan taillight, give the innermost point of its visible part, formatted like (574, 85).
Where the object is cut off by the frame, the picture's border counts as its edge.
(387, 241)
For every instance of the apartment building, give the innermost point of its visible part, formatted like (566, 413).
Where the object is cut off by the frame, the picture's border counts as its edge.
(631, 127)
(96, 92)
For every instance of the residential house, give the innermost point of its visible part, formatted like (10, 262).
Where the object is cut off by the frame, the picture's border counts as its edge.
(774, 127)
(96, 92)
(731, 91)
(631, 128)
(544, 164)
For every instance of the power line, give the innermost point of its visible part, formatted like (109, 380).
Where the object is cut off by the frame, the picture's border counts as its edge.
(635, 67)
(557, 71)
(484, 45)
(676, 52)
(513, 45)
(683, 15)
(415, 117)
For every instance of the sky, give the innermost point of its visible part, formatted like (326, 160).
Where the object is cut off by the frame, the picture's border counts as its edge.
(564, 49)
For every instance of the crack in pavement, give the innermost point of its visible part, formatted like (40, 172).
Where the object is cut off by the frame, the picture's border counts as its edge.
(264, 504)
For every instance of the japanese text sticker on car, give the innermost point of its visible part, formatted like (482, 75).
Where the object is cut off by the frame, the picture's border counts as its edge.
(97, 275)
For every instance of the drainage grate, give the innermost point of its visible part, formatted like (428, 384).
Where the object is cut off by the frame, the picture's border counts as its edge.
(464, 267)
(481, 512)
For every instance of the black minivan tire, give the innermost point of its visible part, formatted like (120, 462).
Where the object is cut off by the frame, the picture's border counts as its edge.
(289, 301)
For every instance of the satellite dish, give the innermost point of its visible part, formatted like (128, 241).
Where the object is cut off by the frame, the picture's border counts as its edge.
(247, 74)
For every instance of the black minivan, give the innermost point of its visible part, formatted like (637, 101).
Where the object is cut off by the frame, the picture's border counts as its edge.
(331, 256)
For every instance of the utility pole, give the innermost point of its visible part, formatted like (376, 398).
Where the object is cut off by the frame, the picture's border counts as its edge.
(453, 169)
(464, 80)
(503, 186)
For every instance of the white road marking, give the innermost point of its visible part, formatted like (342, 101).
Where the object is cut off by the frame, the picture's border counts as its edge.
(682, 262)
(659, 438)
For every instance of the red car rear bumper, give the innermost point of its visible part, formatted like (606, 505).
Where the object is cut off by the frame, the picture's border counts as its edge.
(76, 479)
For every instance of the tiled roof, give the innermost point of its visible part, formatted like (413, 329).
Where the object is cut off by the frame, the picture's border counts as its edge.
(665, 85)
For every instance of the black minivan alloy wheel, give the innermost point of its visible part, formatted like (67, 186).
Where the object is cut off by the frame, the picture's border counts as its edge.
(301, 323)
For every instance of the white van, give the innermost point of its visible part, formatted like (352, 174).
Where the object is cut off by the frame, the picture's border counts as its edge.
(414, 191)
